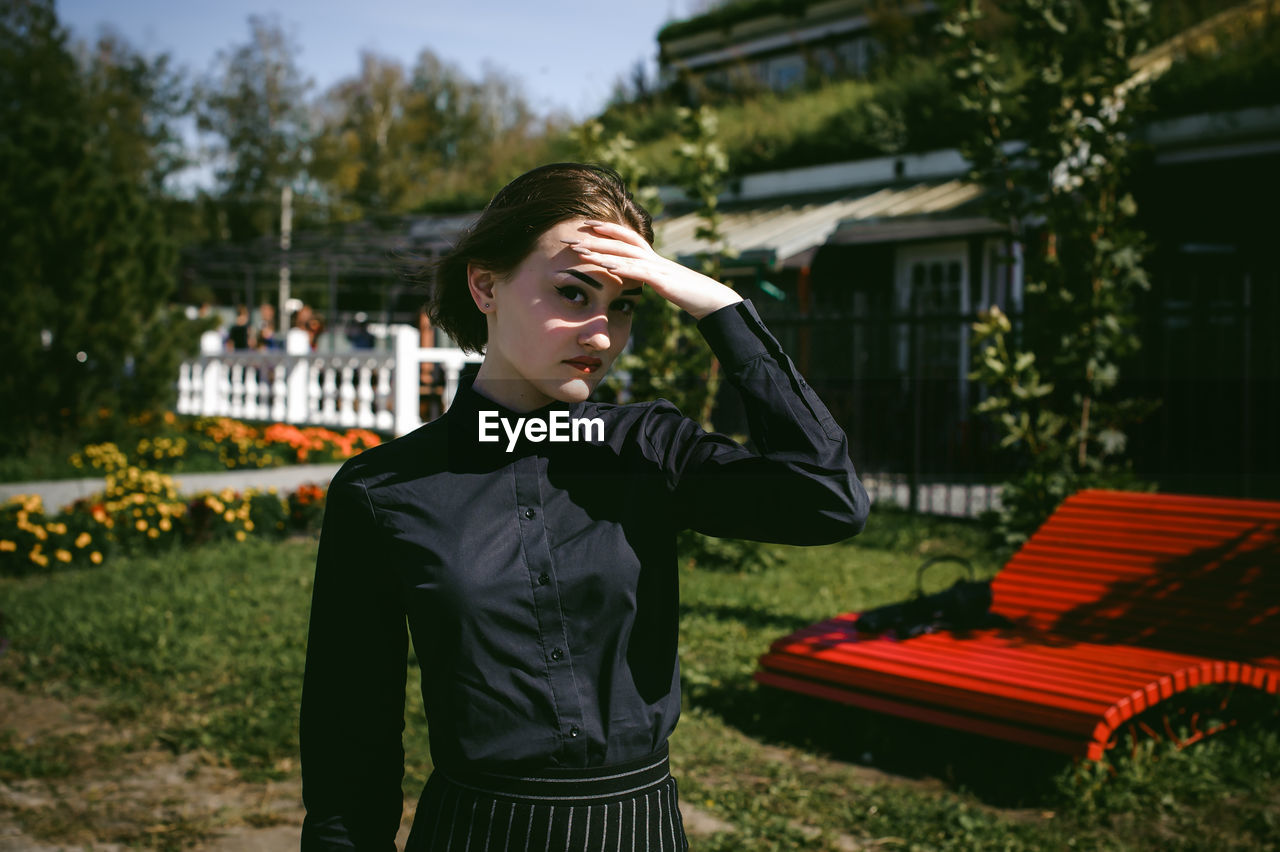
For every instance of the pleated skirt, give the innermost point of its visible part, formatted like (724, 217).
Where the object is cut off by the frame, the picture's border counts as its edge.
(629, 807)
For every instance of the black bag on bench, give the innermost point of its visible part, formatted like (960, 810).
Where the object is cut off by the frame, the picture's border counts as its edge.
(966, 605)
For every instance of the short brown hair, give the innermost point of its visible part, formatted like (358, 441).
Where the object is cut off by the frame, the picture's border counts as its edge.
(511, 225)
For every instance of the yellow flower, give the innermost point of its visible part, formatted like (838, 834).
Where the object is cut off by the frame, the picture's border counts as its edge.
(95, 558)
(60, 529)
(228, 516)
(40, 533)
(166, 524)
(140, 525)
(63, 555)
(39, 558)
(153, 533)
(240, 536)
(83, 539)
(7, 546)
(248, 526)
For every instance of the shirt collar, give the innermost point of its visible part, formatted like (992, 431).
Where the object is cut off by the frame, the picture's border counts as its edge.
(463, 419)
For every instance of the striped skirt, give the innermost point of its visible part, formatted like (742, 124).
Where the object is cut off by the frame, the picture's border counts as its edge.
(629, 806)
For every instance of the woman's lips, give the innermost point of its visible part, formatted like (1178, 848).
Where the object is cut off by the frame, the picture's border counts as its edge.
(586, 365)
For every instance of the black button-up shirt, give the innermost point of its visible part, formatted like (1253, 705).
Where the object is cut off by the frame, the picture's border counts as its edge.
(538, 577)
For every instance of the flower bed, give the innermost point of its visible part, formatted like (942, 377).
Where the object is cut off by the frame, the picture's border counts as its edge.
(140, 511)
(220, 443)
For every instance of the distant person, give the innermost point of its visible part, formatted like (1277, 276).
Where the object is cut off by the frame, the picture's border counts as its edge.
(315, 327)
(267, 338)
(212, 341)
(538, 575)
(298, 340)
(358, 333)
(240, 336)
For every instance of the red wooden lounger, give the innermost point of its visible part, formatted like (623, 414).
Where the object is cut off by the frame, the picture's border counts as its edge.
(1119, 601)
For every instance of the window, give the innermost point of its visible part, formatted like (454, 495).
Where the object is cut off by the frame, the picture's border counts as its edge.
(786, 72)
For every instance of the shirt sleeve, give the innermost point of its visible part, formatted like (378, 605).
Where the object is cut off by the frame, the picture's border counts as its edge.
(352, 711)
(796, 485)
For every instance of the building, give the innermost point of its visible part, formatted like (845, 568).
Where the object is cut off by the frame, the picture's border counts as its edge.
(776, 47)
(871, 273)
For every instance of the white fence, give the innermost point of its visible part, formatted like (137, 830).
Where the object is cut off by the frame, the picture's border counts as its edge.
(360, 389)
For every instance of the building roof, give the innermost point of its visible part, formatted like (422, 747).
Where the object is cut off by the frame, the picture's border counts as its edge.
(787, 233)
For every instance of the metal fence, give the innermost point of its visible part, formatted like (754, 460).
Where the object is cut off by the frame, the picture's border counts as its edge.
(1210, 360)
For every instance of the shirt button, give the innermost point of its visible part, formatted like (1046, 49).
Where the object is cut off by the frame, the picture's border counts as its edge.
(573, 732)
(557, 654)
(544, 578)
(530, 514)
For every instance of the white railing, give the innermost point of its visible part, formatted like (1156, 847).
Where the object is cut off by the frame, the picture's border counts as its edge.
(359, 389)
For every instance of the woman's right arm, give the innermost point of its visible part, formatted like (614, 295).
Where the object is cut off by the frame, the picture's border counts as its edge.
(352, 713)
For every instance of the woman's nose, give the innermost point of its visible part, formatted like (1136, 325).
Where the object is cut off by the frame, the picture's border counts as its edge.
(595, 333)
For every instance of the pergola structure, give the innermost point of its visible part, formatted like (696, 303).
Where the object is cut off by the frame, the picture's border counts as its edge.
(379, 269)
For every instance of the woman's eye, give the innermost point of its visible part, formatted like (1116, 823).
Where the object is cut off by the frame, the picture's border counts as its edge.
(626, 306)
(573, 294)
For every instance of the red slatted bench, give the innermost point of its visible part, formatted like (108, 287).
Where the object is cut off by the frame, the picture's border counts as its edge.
(1119, 601)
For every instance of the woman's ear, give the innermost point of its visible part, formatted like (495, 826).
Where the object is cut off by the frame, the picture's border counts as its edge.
(480, 282)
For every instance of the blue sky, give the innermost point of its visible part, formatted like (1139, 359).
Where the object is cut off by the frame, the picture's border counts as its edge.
(566, 55)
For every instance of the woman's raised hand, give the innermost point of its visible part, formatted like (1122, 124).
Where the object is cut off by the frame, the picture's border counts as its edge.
(626, 254)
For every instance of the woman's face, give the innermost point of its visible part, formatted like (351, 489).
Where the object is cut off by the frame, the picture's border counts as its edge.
(556, 324)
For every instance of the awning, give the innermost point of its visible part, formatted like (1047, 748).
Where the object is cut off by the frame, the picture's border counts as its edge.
(786, 234)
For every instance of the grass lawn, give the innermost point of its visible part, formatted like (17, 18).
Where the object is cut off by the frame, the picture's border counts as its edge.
(200, 652)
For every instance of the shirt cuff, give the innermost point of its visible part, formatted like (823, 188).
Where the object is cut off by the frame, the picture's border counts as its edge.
(736, 334)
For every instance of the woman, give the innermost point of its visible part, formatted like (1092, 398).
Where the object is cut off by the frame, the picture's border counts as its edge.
(528, 535)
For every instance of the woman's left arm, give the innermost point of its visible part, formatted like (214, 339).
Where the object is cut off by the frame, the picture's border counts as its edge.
(352, 710)
(797, 484)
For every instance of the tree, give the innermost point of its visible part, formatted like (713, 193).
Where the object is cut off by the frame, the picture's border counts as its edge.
(703, 169)
(1051, 141)
(477, 135)
(135, 104)
(84, 253)
(394, 142)
(362, 152)
(255, 108)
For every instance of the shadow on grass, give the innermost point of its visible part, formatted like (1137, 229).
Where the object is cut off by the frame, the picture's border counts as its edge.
(749, 616)
(999, 773)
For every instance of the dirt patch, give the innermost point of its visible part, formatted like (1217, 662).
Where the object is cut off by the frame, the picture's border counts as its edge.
(145, 795)
(104, 788)
(150, 798)
(30, 717)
